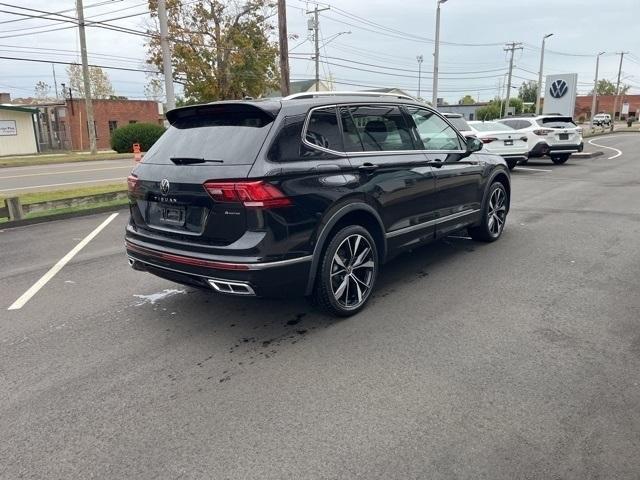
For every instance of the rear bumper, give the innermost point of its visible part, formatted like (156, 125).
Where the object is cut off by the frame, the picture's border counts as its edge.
(542, 148)
(265, 279)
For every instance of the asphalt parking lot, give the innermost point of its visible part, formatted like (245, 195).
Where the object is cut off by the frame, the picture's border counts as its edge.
(513, 360)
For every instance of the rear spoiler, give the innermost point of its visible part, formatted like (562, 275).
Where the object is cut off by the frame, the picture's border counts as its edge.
(269, 109)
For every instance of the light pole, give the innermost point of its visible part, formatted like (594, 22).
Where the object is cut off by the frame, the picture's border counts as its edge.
(594, 100)
(419, 58)
(436, 54)
(539, 93)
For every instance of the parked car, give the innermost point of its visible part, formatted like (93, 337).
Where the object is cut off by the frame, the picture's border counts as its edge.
(307, 195)
(554, 135)
(502, 140)
(601, 120)
(458, 121)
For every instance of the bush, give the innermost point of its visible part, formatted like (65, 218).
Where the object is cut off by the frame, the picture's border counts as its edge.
(146, 134)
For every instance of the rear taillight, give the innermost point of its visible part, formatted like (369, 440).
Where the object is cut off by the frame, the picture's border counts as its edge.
(132, 183)
(488, 139)
(251, 194)
(542, 132)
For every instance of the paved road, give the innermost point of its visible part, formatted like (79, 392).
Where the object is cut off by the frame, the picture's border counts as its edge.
(514, 360)
(17, 180)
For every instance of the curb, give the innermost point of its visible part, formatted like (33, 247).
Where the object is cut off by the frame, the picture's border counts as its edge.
(604, 134)
(61, 216)
(585, 155)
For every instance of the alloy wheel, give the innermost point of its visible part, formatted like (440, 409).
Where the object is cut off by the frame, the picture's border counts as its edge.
(352, 271)
(497, 211)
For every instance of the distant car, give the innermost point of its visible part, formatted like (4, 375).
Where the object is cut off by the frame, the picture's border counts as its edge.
(502, 140)
(554, 135)
(601, 119)
(458, 121)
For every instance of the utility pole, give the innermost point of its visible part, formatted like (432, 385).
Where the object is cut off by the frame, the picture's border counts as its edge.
(419, 58)
(167, 67)
(284, 48)
(55, 83)
(615, 99)
(511, 47)
(539, 93)
(316, 38)
(594, 100)
(436, 57)
(85, 76)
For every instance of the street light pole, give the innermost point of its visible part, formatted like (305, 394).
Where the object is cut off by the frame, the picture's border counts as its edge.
(436, 54)
(167, 66)
(419, 58)
(539, 93)
(594, 100)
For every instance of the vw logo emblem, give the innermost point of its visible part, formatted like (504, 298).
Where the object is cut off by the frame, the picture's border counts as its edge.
(164, 186)
(558, 89)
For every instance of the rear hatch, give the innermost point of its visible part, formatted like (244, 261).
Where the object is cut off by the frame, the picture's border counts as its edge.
(504, 143)
(564, 130)
(204, 143)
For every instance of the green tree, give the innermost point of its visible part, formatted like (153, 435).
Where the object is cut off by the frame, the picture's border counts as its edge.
(100, 83)
(494, 109)
(607, 87)
(222, 49)
(528, 91)
(466, 100)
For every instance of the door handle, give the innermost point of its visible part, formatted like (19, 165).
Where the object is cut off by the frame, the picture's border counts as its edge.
(437, 163)
(368, 167)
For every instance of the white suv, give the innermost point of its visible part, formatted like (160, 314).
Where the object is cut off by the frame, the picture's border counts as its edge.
(601, 119)
(553, 135)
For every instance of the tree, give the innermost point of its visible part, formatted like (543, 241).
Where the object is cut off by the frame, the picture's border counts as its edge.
(42, 90)
(466, 100)
(100, 84)
(222, 49)
(154, 89)
(495, 108)
(607, 87)
(528, 91)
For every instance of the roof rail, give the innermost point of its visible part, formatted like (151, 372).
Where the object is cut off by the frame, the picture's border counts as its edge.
(346, 94)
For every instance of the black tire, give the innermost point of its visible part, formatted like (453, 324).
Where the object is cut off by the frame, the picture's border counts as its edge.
(559, 159)
(347, 272)
(512, 164)
(494, 214)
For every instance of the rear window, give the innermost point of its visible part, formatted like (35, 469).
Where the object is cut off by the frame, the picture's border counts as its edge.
(557, 122)
(233, 134)
(459, 122)
(490, 127)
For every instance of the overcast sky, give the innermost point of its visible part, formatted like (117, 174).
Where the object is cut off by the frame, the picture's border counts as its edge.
(396, 32)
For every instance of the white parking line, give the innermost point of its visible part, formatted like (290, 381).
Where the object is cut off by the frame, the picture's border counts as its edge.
(591, 142)
(26, 296)
(533, 169)
(122, 167)
(88, 182)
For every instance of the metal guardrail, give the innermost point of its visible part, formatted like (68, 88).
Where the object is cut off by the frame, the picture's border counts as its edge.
(14, 210)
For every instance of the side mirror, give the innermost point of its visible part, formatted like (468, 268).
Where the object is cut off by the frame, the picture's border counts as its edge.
(473, 144)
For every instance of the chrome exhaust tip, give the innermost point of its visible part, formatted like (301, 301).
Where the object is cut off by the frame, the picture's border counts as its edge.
(136, 265)
(231, 288)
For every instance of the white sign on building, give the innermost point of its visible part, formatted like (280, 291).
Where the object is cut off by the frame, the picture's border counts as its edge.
(625, 109)
(8, 128)
(560, 94)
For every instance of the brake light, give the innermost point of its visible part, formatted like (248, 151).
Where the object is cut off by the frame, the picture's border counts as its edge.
(488, 139)
(251, 194)
(132, 183)
(542, 132)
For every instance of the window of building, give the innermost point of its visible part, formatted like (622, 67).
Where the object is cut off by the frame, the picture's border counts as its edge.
(113, 124)
(133, 121)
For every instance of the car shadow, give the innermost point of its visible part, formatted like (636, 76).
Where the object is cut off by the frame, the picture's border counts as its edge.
(243, 331)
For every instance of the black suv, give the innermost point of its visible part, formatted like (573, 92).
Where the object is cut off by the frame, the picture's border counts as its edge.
(307, 195)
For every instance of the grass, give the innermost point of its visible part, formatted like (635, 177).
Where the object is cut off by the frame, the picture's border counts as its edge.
(47, 159)
(37, 197)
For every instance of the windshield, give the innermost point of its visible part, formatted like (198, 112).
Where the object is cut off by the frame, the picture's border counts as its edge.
(233, 136)
(459, 122)
(491, 127)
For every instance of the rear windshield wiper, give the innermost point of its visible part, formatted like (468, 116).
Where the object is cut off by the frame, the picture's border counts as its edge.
(192, 160)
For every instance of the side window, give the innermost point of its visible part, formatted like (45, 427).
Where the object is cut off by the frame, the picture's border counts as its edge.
(435, 133)
(288, 146)
(323, 129)
(375, 128)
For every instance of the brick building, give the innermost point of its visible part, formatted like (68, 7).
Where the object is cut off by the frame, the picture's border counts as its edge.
(605, 105)
(108, 115)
